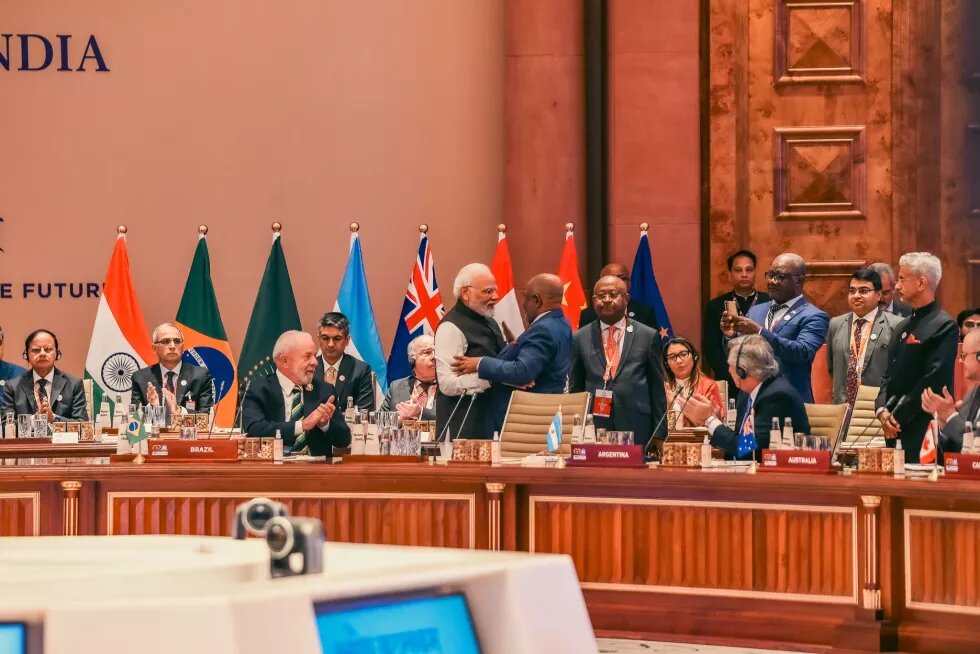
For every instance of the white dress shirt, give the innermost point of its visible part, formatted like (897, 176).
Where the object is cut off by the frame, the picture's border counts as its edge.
(865, 336)
(620, 334)
(451, 342)
(49, 378)
(287, 399)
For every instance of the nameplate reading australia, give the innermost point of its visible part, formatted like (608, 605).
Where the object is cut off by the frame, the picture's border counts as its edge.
(602, 455)
(964, 466)
(796, 460)
(198, 451)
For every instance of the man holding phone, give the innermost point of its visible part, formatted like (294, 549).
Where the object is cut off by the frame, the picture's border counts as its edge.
(738, 301)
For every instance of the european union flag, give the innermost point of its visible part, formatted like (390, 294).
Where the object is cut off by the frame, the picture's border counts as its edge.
(644, 288)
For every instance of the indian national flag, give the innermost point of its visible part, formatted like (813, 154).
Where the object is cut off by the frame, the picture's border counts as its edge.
(120, 343)
(507, 312)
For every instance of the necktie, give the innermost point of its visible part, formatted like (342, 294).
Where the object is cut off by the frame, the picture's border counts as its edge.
(612, 350)
(296, 413)
(170, 382)
(42, 394)
(852, 380)
(421, 396)
(746, 435)
(773, 308)
(331, 376)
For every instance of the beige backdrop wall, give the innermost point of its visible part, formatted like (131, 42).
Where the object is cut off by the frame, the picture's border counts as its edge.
(236, 113)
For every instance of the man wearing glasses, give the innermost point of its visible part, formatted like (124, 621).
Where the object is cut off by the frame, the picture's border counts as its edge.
(794, 328)
(181, 386)
(858, 340)
(45, 390)
(953, 416)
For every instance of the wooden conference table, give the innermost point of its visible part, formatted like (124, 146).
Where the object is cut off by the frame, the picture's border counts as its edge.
(858, 562)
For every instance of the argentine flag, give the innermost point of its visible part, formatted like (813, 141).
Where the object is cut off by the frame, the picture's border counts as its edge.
(554, 433)
(354, 301)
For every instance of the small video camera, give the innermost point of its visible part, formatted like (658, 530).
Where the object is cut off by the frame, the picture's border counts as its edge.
(296, 545)
(252, 517)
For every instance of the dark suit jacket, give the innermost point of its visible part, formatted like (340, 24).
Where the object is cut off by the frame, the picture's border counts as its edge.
(899, 308)
(713, 342)
(193, 383)
(263, 411)
(795, 340)
(66, 396)
(777, 398)
(10, 371)
(638, 386)
(952, 433)
(912, 367)
(839, 336)
(353, 380)
(400, 391)
(635, 310)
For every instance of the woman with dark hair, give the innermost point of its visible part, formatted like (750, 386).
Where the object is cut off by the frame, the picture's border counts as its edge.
(968, 320)
(682, 370)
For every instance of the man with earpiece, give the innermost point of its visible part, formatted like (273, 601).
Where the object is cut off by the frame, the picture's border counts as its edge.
(44, 389)
(765, 394)
(414, 397)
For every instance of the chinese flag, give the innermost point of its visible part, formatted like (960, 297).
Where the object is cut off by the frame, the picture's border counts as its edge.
(573, 301)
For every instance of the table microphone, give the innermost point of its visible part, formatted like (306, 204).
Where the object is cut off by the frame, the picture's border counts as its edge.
(215, 405)
(465, 416)
(653, 434)
(241, 406)
(449, 421)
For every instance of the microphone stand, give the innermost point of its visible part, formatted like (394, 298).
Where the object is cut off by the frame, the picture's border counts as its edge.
(449, 421)
(215, 417)
(653, 437)
(241, 407)
(465, 415)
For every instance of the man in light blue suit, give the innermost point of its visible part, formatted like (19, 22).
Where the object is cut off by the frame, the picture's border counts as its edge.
(793, 327)
(541, 357)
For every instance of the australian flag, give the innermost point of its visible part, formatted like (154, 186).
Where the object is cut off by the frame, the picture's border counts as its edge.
(421, 311)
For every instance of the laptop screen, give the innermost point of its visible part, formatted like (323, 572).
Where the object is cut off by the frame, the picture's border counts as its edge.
(429, 624)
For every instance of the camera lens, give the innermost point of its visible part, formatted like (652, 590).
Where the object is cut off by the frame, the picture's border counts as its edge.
(259, 514)
(280, 537)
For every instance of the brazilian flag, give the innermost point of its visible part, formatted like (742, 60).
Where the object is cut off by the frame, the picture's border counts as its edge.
(205, 341)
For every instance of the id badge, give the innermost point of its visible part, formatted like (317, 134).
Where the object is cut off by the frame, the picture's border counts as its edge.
(602, 403)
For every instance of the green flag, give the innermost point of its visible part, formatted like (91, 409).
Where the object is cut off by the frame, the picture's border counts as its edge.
(274, 313)
(135, 431)
(205, 341)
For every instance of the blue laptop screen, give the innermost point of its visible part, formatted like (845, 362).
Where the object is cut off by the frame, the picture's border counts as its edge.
(421, 625)
(13, 638)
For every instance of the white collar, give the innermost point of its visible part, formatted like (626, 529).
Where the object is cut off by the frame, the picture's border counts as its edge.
(540, 316)
(164, 370)
(621, 325)
(328, 366)
(755, 392)
(49, 377)
(870, 316)
(287, 384)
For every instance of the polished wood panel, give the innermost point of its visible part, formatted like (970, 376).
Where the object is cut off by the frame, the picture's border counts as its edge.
(714, 547)
(429, 520)
(19, 514)
(941, 559)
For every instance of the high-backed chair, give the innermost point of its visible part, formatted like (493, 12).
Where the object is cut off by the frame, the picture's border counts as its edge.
(864, 430)
(829, 420)
(528, 417)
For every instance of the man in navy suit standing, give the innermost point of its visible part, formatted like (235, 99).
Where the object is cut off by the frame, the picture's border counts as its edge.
(794, 328)
(540, 358)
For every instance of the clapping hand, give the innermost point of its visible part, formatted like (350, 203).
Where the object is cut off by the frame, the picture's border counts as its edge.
(942, 406)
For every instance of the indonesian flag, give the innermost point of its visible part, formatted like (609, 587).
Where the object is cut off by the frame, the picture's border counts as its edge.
(573, 301)
(507, 310)
(120, 343)
(927, 453)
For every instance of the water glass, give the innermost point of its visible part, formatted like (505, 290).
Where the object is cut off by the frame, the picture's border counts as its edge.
(40, 426)
(24, 425)
(188, 433)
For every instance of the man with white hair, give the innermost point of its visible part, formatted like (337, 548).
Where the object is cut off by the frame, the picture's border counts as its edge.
(765, 394)
(468, 329)
(921, 354)
(413, 397)
(294, 402)
(179, 385)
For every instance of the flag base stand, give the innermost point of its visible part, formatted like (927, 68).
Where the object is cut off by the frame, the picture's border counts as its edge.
(139, 459)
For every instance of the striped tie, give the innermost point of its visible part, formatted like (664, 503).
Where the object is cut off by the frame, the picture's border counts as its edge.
(296, 413)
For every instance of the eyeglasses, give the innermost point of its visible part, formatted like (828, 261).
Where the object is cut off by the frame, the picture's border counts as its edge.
(608, 295)
(969, 324)
(170, 341)
(860, 290)
(37, 350)
(487, 292)
(679, 356)
(964, 355)
(778, 277)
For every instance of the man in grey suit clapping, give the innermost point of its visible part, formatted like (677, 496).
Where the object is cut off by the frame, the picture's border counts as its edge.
(413, 397)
